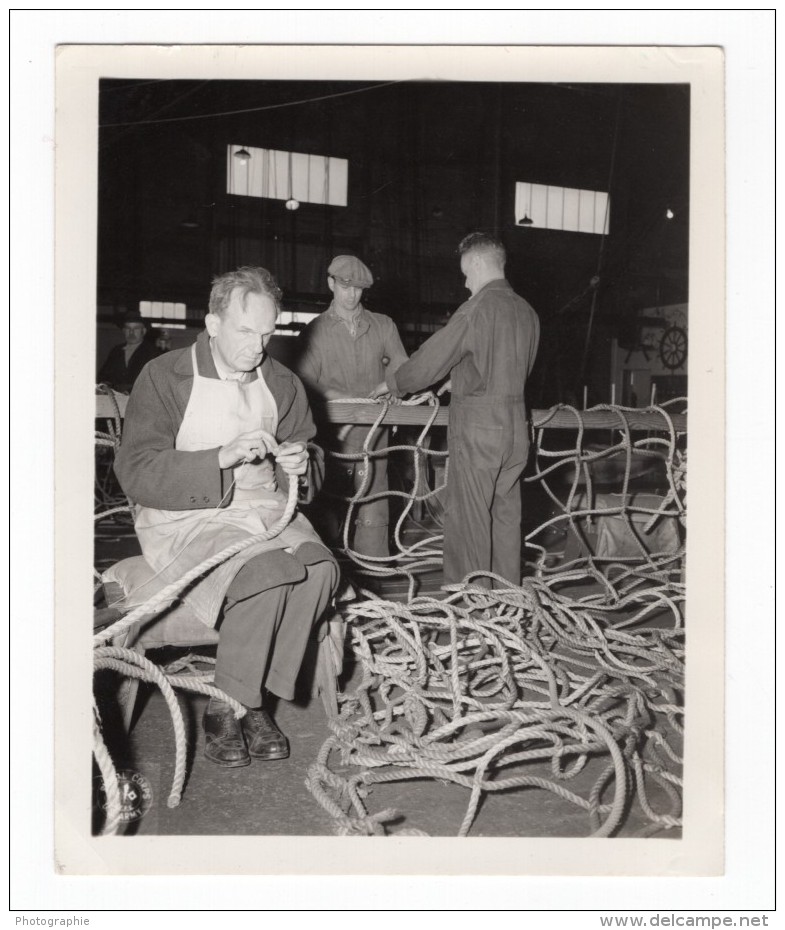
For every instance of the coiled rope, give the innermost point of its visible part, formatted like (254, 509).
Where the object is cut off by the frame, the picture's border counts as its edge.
(131, 664)
(477, 688)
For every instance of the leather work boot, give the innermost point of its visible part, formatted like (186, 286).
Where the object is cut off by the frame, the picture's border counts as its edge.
(265, 741)
(223, 736)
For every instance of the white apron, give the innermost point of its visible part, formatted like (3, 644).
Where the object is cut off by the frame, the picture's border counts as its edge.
(174, 541)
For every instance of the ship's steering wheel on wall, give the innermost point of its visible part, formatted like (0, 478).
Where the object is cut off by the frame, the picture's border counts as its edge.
(673, 347)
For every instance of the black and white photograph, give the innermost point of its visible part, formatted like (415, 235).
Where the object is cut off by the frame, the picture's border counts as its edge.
(472, 623)
(394, 401)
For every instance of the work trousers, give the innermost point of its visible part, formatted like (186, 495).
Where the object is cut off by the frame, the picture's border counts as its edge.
(263, 635)
(489, 445)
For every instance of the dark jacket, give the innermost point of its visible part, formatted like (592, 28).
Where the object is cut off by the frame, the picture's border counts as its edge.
(120, 376)
(155, 474)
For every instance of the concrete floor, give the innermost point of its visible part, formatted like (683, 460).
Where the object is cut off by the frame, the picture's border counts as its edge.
(271, 798)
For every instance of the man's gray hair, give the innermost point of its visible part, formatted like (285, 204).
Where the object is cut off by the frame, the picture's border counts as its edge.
(249, 280)
(482, 242)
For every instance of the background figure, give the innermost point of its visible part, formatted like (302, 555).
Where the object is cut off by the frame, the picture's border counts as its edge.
(345, 352)
(124, 363)
(488, 349)
(214, 434)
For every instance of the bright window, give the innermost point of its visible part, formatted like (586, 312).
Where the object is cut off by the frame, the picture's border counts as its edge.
(564, 208)
(267, 173)
(290, 322)
(162, 312)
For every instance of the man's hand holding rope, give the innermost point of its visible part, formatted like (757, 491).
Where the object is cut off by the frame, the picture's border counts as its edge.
(382, 392)
(247, 447)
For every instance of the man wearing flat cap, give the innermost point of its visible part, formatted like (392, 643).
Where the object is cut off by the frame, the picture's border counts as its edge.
(124, 363)
(345, 352)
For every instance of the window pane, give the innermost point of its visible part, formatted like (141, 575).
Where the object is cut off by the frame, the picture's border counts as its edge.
(571, 209)
(555, 201)
(586, 207)
(603, 213)
(265, 173)
(539, 213)
(523, 196)
(567, 208)
(337, 182)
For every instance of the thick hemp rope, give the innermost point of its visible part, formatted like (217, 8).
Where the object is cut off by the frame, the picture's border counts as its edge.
(467, 688)
(408, 560)
(477, 688)
(130, 663)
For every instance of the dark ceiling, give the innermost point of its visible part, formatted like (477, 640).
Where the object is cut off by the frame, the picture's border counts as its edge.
(428, 162)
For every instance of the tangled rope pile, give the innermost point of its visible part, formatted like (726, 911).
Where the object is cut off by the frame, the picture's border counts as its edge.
(579, 669)
(478, 688)
(482, 687)
(573, 467)
(580, 467)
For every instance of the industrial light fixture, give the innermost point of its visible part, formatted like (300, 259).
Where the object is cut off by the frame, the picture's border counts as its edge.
(243, 155)
(669, 214)
(291, 203)
(526, 221)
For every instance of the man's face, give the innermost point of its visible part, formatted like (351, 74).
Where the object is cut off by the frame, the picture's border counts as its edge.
(470, 270)
(134, 333)
(241, 335)
(346, 297)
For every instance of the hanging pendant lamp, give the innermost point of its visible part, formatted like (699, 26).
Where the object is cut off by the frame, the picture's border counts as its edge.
(291, 203)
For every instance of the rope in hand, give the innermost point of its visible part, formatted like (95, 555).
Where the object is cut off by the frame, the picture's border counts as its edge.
(477, 688)
(579, 678)
(131, 664)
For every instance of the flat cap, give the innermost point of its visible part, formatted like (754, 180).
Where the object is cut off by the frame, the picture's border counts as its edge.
(131, 316)
(350, 271)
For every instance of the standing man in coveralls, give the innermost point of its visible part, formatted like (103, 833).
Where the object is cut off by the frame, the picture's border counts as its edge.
(488, 349)
(345, 352)
(213, 436)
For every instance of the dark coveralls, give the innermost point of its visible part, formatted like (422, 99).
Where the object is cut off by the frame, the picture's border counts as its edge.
(488, 348)
(334, 362)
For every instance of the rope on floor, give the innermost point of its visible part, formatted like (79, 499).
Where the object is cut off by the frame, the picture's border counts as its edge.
(469, 689)
(132, 664)
(108, 776)
(473, 689)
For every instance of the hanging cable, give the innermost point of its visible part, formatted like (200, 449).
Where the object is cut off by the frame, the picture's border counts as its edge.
(271, 106)
(596, 279)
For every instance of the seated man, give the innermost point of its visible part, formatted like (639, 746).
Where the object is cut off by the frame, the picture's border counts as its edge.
(213, 435)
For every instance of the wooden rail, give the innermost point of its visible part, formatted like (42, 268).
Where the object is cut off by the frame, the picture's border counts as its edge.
(418, 415)
(554, 418)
